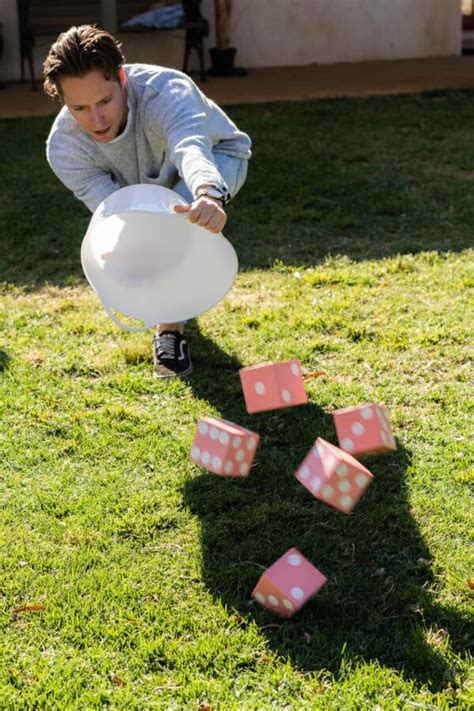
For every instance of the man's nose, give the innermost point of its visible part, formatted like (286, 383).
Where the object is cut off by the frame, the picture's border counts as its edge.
(98, 118)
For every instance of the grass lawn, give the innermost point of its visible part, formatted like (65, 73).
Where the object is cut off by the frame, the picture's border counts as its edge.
(354, 234)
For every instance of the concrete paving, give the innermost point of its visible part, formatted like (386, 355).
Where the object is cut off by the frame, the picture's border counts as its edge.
(292, 83)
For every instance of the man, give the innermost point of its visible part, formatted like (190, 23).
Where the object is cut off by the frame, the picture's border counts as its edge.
(123, 124)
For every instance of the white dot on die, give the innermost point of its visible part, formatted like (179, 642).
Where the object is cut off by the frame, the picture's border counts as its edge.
(260, 597)
(342, 469)
(367, 413)
(205, 457)
(295, 369)
(240, 455)
(347, 443)
(346, 501)
(316, 484)
(384, 436)
(330, 461)
(195, 452)
(316, 454)
(216, 462)
(252, 443)
(228, 467)
(288, 604)
(272, 600)
(361, 480)
(203, 428)
(297, 593)
(213, 433)
(260, 388)
(285, 395)
(379, 413)
(244, 467)
(327, 492)
(344, 485)
(304, 471)
(236, 442)
(294, 559)
(358, 428)
(223, 437)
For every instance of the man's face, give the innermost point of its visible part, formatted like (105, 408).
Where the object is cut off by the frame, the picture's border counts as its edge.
(98, 105)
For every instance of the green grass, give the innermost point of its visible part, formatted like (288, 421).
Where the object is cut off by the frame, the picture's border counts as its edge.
(353, 234)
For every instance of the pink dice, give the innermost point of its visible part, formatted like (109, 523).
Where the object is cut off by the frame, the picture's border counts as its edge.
(333, 476)
(288, 584)
(273, 385)
(364, 430)
(224, 447)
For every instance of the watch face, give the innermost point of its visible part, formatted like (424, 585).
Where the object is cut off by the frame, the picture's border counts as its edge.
(214, 192)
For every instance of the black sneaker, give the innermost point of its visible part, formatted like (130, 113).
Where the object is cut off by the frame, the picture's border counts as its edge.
(171, 355)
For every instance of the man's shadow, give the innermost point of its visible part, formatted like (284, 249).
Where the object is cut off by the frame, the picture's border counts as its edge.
(377, 603)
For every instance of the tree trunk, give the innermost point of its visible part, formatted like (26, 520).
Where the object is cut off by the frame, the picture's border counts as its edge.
(223, 8)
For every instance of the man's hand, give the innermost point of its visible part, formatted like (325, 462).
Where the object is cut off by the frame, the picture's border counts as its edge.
(205, 212)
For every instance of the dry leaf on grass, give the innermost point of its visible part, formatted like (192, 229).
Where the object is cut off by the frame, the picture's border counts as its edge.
(28, 608)
(117, 680)
(34, 357)
(315, 374)
(471, 583)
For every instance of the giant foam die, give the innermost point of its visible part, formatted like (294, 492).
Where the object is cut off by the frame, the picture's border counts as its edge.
(364, 430)
(288, 584)
(273, 385)
(333, 476)
(224, 447)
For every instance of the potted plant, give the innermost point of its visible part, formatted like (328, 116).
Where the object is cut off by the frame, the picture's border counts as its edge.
(222, 55)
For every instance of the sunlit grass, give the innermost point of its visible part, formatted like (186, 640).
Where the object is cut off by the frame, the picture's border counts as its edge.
(353, 235)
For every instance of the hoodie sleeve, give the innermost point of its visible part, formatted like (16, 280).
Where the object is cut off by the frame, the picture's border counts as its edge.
(78, 172)
(180, 113)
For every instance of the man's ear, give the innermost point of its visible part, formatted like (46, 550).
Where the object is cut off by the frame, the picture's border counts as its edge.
(121, 76)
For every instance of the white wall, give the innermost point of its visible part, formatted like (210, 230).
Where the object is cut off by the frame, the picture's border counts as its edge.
(291, 32)
(10, 65)
(287, 32)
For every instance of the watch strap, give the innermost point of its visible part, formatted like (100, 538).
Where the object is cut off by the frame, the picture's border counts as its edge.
(215, 194)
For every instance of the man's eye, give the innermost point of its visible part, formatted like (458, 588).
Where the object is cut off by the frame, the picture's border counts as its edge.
(106, 101)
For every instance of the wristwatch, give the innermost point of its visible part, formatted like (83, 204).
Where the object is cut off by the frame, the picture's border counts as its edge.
(214, 193)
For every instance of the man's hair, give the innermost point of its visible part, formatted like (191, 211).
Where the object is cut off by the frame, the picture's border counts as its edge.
(76, 52)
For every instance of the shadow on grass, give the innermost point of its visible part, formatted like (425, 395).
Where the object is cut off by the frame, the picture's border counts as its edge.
(4, 360)
(379, 177)
(377, 603)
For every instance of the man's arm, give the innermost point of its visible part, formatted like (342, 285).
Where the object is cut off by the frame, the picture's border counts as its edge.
(182, 115)
(78, 172)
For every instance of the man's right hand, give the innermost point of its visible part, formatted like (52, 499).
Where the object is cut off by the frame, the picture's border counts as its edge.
(205, 212)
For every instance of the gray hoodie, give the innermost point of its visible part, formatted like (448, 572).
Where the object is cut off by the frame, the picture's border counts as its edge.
(172, 131)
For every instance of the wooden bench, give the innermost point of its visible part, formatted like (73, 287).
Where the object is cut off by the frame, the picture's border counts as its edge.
(46, 19)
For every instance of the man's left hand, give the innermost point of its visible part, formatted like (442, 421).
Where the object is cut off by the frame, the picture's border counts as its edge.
(205, 212)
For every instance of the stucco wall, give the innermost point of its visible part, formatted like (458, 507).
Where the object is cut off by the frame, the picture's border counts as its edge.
(9, 67)
(287, 32)
(292, 32)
